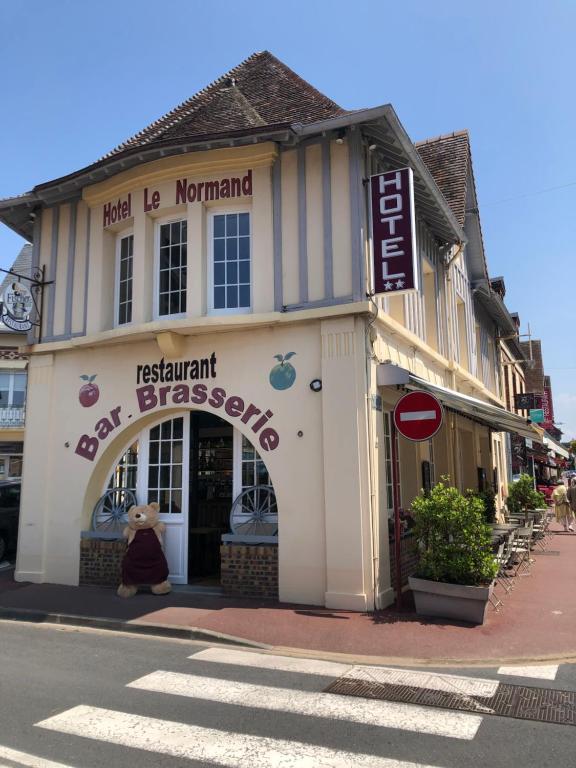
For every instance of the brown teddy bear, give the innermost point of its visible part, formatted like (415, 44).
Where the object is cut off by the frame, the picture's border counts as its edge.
(144, 562)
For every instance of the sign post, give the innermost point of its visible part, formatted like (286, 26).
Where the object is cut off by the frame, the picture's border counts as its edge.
(417, 417)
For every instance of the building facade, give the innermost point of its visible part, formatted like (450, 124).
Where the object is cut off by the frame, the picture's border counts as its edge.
(210, 328)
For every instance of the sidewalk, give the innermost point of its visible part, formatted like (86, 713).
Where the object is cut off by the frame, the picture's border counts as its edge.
(537, 621)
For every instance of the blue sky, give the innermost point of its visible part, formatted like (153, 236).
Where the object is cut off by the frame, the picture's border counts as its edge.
(80, 77)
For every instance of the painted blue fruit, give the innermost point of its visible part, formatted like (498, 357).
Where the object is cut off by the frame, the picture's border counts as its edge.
(283, 375)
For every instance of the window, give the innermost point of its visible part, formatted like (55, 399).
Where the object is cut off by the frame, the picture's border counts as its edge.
(12, 389)
(125, 474)
(165, 465)
(230, 263)
(125, 254)
(172, 262)
(254, 470)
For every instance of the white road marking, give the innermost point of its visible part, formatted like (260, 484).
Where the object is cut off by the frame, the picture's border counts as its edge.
(418, 415)
(467, 686)
(542, 672)
(383, 714)
(25, 759)
(207, 745)
(269, 661)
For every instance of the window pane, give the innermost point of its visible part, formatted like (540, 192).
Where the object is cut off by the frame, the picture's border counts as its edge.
(154, 451)
(164, 305)
(177, 428)
(232, 272)
(219, 274)
(231, 248)
(244, 248)
(164, 258)
(244, 272)
(232, 224)
(175, 232)
(219, 250)
(244, 224)
(219, 298)
(164, 235)
(244, 296)
(232, 296)
(219, 226)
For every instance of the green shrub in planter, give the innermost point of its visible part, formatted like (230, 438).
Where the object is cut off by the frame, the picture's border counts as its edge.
(488, 499)
(521, 496)
(453, 538)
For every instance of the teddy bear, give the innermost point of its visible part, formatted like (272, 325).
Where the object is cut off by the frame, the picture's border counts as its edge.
(144, 562)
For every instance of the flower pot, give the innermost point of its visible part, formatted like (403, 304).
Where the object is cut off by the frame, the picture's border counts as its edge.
(450, 601)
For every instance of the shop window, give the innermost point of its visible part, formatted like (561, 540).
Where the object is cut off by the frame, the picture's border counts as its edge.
(125, 473)
(172, 268)
(124, 266)
(165, 465)
(253, 470)
(12, 389)
(230, 268)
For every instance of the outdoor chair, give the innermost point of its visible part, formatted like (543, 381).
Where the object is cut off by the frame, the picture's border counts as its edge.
(504, 560)
(495, 601)
(521, 550)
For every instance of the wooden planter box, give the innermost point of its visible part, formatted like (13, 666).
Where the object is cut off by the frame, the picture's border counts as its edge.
(450, 601)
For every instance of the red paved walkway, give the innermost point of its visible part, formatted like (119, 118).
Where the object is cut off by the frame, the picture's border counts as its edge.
(538, 619)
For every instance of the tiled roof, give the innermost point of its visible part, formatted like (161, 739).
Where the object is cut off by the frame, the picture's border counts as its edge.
(259, 92)
(447, 158)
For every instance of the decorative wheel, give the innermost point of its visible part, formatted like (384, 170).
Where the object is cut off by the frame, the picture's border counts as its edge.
(111, 510)
(254, 512)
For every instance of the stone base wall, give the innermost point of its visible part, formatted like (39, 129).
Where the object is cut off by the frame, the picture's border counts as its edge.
(250, 570)
(100, 562)
(408, 559)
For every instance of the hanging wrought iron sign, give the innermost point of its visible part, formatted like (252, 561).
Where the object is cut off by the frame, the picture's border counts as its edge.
(20, 309)
(16, 307)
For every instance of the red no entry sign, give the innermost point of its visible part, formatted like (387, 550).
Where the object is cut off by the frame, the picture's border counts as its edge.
(418, 416)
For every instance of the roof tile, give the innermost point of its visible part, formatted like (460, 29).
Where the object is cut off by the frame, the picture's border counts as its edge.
(447, 158)
(260, 91)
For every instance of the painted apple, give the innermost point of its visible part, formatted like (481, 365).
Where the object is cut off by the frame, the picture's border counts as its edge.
(283, 375)
(89, 392)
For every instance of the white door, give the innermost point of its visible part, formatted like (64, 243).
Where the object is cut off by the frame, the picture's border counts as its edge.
(163, 476)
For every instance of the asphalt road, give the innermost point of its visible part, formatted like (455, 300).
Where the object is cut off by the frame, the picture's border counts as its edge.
(89, 699)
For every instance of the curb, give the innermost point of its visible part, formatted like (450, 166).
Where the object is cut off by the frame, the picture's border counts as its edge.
(33, 616)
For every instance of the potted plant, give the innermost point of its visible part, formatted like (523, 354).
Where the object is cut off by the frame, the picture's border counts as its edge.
(521, 496)
(456, 569)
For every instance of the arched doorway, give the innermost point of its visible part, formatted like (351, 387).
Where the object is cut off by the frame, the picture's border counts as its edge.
(194, 465)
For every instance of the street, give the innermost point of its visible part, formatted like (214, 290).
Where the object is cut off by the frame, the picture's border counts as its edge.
(86, 698)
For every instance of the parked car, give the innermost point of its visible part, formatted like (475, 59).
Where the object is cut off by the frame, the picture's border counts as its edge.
(9, 513)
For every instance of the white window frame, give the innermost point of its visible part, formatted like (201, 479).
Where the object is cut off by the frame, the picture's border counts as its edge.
(11, 372)
(210, 302)
(156, 282)
(119, 237)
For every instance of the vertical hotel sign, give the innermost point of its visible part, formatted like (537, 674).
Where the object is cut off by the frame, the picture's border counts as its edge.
(394, 263)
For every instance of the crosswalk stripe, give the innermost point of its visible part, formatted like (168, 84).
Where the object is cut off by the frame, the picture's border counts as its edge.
(269, 661)
(234, 750)
(468, 686)
(436, 681)
(25, 759)
(407, 717)
(543, 672)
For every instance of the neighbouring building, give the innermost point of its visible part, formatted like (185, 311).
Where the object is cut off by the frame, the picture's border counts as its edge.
(212, 329)
(13, 378)
(549, 464)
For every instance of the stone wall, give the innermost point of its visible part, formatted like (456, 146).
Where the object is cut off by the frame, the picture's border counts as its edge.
(100, 562)
(250, 570)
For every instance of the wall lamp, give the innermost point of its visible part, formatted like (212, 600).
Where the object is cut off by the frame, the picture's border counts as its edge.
(316, 385)
(340, 136)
